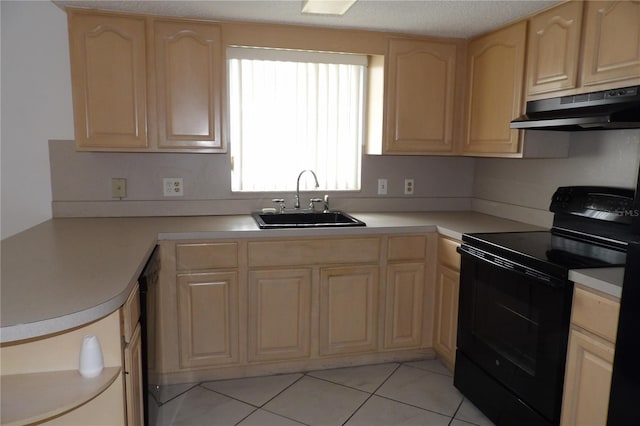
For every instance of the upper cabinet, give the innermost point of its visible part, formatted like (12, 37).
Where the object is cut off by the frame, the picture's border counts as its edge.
(611, 43)
(554, 48)
(421, 82)
(580, 47)
(109, 81)
(141, 84)
(495, 90)
(189, 82)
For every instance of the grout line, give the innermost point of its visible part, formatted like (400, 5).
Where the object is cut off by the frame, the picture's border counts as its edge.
(280, 393)
(430, 371)
(456, 412)
(160, 404)
(371, 394)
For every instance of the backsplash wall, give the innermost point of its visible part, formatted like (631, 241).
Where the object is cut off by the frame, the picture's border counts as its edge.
(522, 189)
(81, 184)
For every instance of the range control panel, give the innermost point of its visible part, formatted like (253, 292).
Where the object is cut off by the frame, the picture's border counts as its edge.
(602, 203)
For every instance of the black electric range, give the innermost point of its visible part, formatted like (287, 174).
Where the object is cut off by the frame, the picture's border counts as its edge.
(515, 302)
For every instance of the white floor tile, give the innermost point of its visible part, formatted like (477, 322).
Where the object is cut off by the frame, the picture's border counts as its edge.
(265, 418)
(163, 394)
(423, 389)
(456, 422)
(366, 378)
(202, 407)
(433, 365)
(379, 411)
(469, 413)
(253, 390)
(316, 402)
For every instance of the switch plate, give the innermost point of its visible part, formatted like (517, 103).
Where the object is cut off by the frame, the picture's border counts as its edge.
(408, 186)
(382, 186)
(173, 187)
(118, 188)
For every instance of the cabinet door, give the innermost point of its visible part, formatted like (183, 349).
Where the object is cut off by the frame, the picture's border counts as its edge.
(404, 301)
(208, 318)
(611, 43)
(279, 314)
(446, 314)
(421, 82)
(348, 309)
(108, 74)
(133, 379)
(587, 381)
(554, 48)
(495, 85)
(189, 84)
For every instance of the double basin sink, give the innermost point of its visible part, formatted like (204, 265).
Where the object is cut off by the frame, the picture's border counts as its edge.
(305, 219)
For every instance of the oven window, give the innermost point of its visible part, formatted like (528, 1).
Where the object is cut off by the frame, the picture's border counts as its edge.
(506, 318)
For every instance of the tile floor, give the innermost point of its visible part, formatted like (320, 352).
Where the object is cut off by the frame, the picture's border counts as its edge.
(410, 393)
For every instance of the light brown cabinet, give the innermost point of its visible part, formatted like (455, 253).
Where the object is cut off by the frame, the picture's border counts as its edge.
(189, 84)
(587, 383)
(279, 325)
(348, 309)
(208, 318)
(405, 292)
(446, 301)
(145, 85)
(553, 50)
(233, 308)
(421, 82)
(109, 81)
(611, 43)
(495, 79)
(132, 358)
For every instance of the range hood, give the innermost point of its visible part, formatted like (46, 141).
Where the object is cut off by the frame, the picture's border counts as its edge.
(605, 110)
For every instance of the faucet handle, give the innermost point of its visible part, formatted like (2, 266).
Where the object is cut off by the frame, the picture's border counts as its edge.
(312, 202)
(281, 205)
(326, 204)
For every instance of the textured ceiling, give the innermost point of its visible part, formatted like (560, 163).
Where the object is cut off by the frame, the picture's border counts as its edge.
(445, 18)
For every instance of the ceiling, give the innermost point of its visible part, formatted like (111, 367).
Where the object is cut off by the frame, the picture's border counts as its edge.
(444, 18)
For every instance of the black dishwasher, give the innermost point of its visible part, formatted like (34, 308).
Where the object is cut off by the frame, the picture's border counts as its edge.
(147, 282)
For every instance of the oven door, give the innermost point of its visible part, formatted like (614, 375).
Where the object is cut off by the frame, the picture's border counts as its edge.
(513, 325)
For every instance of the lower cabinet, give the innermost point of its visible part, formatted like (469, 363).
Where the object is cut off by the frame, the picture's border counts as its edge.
(348, 309)
(208, 318)
(587, 383)
(279, 314)
(133, 379)
(132, 358)
(446, 301)
(233, 308)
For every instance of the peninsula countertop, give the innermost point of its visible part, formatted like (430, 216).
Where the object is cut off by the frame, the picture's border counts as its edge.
(67, 272)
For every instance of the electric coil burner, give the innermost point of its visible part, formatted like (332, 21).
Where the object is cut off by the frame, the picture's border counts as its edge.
(515, 303)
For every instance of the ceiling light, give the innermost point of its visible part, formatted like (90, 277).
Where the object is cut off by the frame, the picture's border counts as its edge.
(327, 7)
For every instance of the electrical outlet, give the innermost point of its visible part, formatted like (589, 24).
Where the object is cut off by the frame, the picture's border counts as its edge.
(118, 188)
(173, 187)
(382, 186)
(408, 186)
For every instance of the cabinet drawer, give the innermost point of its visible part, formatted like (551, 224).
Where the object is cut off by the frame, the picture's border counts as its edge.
(411, 247)
(595, 313)
(447, 254)
(206, 256)
(130, 314)
(313, 252)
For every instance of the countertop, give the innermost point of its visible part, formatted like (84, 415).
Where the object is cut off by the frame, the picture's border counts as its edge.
(67, 272)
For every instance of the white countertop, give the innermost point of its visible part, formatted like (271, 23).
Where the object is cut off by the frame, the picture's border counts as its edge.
(67, 272)
(606, 280)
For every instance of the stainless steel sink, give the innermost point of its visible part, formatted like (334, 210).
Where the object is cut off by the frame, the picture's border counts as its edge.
(305, 220)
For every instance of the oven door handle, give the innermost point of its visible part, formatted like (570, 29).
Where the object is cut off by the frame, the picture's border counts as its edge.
(504, 264)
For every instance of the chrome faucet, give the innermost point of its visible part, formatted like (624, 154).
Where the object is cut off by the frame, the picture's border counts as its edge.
(297, 204)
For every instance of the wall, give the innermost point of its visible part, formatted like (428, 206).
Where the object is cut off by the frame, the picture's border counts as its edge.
(36, 106)
(81, 184)
(522, 189)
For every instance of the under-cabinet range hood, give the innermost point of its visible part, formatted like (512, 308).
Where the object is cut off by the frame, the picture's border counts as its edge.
(604, 110)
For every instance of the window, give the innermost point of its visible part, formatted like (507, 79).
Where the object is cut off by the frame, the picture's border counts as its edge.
(294, 110)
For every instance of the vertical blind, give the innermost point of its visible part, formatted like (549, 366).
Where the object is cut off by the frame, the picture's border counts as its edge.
(291, 111)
